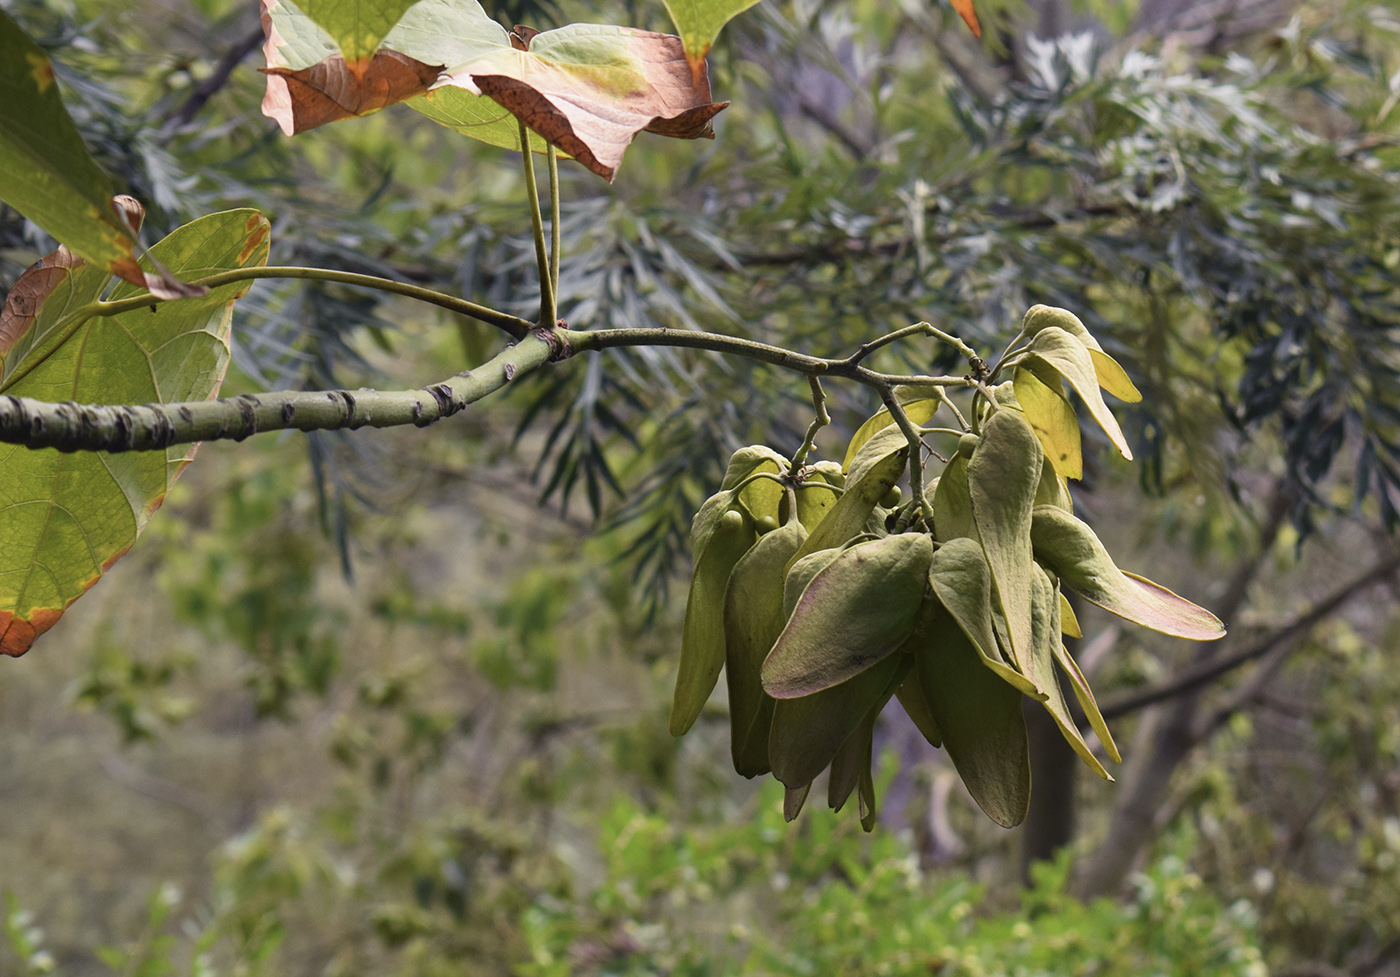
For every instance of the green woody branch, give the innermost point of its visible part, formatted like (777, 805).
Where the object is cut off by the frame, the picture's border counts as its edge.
(95, 427)
(89, 427)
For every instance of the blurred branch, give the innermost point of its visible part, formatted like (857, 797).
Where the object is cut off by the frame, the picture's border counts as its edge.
(210, 86)
(1281, 641)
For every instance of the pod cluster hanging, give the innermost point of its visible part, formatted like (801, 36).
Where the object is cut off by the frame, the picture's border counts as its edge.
(822, 597)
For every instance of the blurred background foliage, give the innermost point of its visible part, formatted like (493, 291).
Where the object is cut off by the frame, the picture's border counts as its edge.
(394, 702)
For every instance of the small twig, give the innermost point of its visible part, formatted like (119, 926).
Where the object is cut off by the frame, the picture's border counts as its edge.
(867, 348)
(548, 312)
(916, 450)
(554, 231)
(822, 420)
(942, 395)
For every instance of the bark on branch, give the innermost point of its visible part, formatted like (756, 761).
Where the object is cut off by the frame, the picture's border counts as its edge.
(91, 427)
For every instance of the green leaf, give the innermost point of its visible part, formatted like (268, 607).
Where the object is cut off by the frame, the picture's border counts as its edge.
(1110, 375)
(66, 518)
(1070, 358)
(847, 518)
(1002, 478)
(1070, 549)
(854, 613)
(807, 732)
(1045, 617)
(702, 635)
(47, 174)
(699, 22)
(852, 760)
(962, 582)
(1052, 417)
(355, 26)
(978, 714)
(753, 619)
(918, 411)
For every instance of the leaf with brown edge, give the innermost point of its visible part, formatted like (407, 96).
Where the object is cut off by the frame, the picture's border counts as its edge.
(28, 295)
(334, 89)
(589, 89)
(66, 518)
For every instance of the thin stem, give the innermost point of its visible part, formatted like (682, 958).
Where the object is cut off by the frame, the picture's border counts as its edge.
(554, 232)
(867, 348)
(979, 365)
(821, 421)
(514, 325)
(943, 396)
(916, 450)
(548, 312)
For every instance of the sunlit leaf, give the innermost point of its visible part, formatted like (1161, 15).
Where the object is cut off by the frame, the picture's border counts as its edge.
(66, 518)
(47, 174)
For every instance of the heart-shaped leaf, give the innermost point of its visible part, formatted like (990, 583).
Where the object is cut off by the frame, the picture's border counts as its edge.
(1002, 478)
(47, 174)
(66, 518)
(854, 613)
(1069, 548)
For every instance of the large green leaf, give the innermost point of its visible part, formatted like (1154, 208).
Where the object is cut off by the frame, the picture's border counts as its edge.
(1070, 358)
(356, 26)
(47, 174)
(962, 581)
(66, 518)
(848, 516)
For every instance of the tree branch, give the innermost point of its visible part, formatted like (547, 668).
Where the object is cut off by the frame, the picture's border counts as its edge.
(89, 427)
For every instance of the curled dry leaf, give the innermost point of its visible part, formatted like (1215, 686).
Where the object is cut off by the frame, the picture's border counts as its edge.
(586, 88)
(589, 89)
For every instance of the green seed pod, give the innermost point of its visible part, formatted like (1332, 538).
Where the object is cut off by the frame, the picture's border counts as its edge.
(962, 581)
(847, 518)
(1110, 375)
(967, 444)
(1052, 417)
(1045, 616)
(766, 524)
(892, 497)
(807, 732)
(761, 497)
(702, 635)
(978, 715)
(801, 574)
(855, 612)
(753, 619)
(1002, 479)
(1070, 549)
(952, 503)
(911, 696)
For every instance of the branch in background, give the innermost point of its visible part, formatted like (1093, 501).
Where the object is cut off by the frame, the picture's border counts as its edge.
(210, 86)
(89, 427)
(1284, 638)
